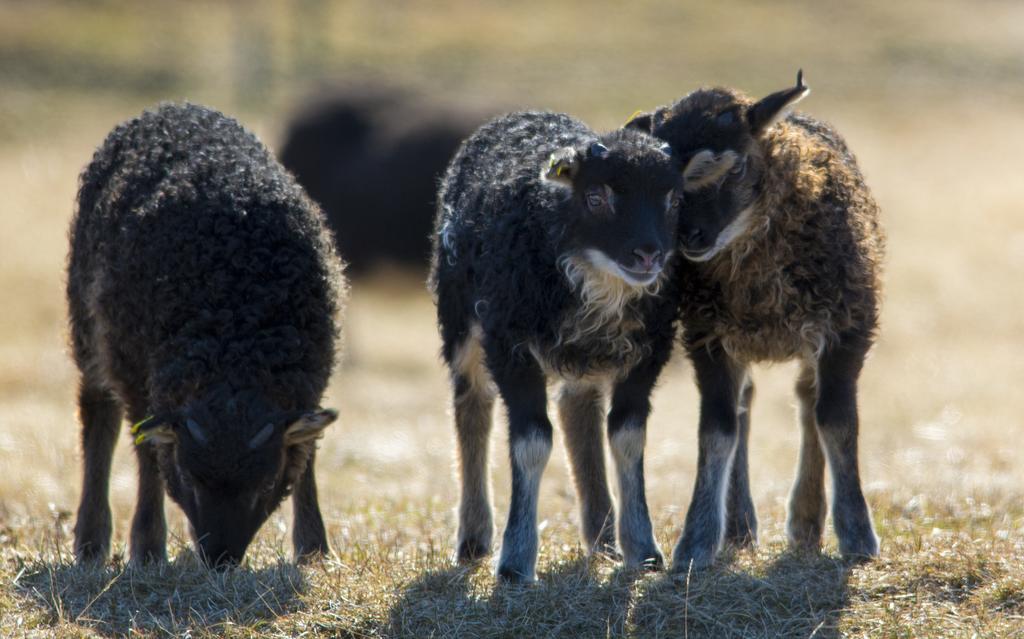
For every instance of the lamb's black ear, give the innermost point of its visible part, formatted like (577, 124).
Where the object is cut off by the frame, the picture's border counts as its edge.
(562, 166)
(640, 121)
(770, 109)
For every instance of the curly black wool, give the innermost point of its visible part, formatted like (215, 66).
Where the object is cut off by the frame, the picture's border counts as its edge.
(202, 286)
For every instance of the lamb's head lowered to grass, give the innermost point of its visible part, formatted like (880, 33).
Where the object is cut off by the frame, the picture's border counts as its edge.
(229, 462)
(203, 296)
(625, 205)
(718, 135)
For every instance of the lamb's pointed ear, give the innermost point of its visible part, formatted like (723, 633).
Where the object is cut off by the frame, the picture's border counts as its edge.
(562, 166)
(309, 427)
(640, 121)
(772, 108)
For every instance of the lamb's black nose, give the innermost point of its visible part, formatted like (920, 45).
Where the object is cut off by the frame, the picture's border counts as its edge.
(694, 239)
(648, 258)
(220, 557)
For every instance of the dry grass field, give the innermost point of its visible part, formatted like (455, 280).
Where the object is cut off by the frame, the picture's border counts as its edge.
(929, 95)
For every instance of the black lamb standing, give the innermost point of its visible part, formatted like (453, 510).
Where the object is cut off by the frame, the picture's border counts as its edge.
(550, 253)
(203, 291)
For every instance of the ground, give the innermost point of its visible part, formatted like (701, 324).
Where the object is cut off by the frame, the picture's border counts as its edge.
(930, 105)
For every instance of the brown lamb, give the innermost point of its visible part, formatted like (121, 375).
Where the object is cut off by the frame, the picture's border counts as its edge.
(784, 253)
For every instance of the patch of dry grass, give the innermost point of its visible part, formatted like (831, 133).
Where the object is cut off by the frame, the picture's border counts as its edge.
(393, 577)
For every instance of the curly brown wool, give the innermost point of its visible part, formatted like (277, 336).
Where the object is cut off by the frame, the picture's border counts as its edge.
(809, 267)
(784, 259)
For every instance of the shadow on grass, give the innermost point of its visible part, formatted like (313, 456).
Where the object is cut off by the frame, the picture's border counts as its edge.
(796, 595)
(570, 599)
(177, 598)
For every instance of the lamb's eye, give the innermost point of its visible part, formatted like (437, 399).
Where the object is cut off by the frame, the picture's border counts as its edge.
(739, 167)
(267, 487)
(595, 199)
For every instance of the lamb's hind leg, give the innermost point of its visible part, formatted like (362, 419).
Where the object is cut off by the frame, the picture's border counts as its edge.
(100, 413)
(741, 520)
(806, 520)
(581, 412)
(836, 410)
(473, 407)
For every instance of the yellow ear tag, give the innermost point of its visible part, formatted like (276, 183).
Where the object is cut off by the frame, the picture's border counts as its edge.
(140, 439)
(559, 171)
(633, 117)
(138, 425)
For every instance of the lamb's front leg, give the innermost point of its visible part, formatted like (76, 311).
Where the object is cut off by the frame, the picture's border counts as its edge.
(719, 379)
(308, 534)
(627, 432)
(149, 527)
(522, 387)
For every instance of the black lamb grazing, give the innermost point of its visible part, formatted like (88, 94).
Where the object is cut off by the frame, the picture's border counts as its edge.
(783, 261)
(203, 291)
(550, 253)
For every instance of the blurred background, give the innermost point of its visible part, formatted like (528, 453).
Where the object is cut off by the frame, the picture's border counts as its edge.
(365, 100)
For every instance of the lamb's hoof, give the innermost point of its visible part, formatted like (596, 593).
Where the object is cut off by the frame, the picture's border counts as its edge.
(605, 547)
(741, 528)
(310, 557)
(611, 554)
(742, 541)
(92, 538)
(691, 555)
(646, 560)
(804, 535)
(150, 557)
(513, 576)
(859, 550)
(741, 534)
(653, 563)
(472, 550)
(91, 551)
(857, 539)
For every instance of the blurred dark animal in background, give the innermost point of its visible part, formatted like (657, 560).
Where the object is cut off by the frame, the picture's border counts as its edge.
(372, 157)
